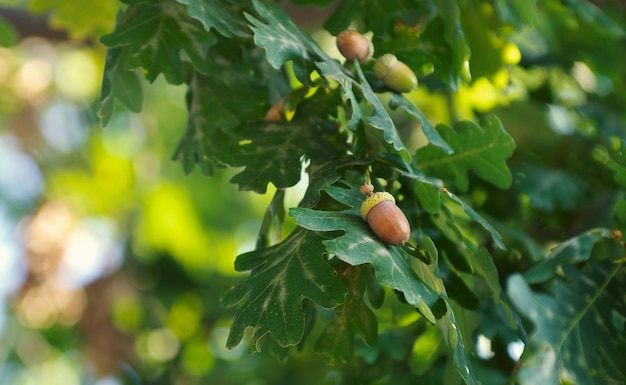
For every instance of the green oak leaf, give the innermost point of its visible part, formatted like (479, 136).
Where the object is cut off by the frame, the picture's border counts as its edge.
(271, 298)
(335, 71)
(574, 250)
(279, 36)
(359, 245)
(273, 151)
(378, 15)
(432, 196)
(450, 12)
(219, 15)
(483, 42)
(450, 327)
(352, 318)
(550, 188)
(573, 328)
(118, 83)
(325, 174)
(482, 150)
(380, 118)
(517, 12)
(218, 104)
(159, 36)
(399, 101)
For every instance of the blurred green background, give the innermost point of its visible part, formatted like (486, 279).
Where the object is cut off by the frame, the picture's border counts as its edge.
(112, 261)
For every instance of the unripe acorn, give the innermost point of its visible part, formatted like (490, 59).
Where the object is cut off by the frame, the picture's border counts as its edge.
(396, 75)
(353, 45)
(385, 219)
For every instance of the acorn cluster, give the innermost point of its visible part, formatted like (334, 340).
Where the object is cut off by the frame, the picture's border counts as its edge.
(396, 75)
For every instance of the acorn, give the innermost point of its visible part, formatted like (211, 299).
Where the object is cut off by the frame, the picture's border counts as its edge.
(385, 219)
(353, 45)
(396, 75)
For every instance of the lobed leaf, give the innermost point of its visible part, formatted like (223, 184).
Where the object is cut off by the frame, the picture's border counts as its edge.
(274, 151)
(573, 328)
(159, 36)
(217, 104)
(574, 250)
(271, 298)
(219, 15)
(120, 84)
(380, 118)
(280, 37)
(359, 245)
(352, 318)
(482, 150)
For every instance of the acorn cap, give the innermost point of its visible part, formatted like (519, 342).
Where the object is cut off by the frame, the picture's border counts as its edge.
(383, 65)
(373, 200)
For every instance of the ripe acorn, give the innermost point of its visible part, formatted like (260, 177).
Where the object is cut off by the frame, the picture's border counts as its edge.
(396, 75)
(385, 219)
(353, 45)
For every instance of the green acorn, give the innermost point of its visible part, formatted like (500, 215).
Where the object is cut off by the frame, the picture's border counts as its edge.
(396, 75)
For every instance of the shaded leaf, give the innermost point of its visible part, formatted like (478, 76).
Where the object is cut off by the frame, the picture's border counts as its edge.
(399, 101)
(495, 235)
(118, 83)
(449, 324)
(378, 15)
(159, 36)
(335, 71)
(271, 298)
(453, 36)
(576, 249)
(482, 150)
(550, 189)
(359, 245)
(573, 330)
(217, 104)
(484, 44)
(352, 318)
(380, 118)
(274, 151)
(325, 174)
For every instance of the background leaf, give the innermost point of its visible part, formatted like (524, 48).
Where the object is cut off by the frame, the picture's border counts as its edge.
(216, 108)
(154, 35)
(572, 325)
(352, 318)
(398, 101)
(482, 150)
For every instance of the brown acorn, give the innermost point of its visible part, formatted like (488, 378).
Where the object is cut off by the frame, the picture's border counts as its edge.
(385, 219)
(353, 45)
(396, 75)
